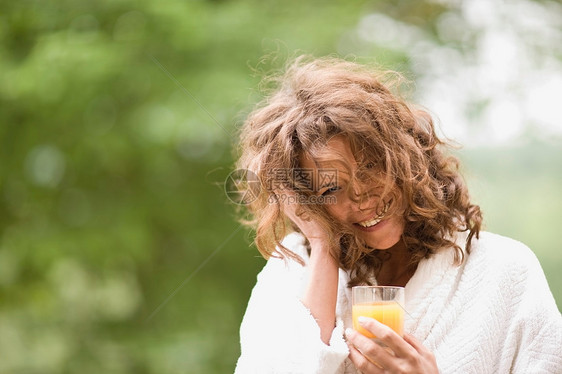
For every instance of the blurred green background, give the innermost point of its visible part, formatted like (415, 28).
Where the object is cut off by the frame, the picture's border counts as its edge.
(119, 251)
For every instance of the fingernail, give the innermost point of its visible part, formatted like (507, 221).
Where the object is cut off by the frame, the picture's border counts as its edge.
(362, 320)
(349, 332)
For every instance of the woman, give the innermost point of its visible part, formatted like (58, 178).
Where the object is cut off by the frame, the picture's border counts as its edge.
(354, 188)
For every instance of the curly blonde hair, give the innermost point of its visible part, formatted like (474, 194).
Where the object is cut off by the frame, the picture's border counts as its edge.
(315, 100)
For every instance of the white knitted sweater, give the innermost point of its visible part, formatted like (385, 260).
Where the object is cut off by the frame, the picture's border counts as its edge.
(493, 314)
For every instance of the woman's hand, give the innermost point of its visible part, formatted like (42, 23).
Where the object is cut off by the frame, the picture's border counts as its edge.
(320, 295)
(403, 355)
(310, 228)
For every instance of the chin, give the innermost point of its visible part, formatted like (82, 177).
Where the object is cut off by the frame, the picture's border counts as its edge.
(383, 244)
(386, 238)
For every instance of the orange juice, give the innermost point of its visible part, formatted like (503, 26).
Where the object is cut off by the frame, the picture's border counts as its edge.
(389, 313)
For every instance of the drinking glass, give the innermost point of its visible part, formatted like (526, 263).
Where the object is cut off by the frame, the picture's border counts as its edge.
(383, 303)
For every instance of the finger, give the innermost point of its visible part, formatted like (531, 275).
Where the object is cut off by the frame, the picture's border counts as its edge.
(371, 350)
(422, 350)
(363, 363)
(290, 203)
(413, 342)
(386, 335)
(286, 199)
(410, 339)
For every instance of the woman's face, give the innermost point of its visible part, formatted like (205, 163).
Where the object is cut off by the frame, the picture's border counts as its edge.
(369, 216)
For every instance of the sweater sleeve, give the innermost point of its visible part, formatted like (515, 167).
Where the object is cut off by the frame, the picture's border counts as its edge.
(278, 334)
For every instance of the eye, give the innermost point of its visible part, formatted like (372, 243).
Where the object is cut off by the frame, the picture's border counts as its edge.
(330, 190)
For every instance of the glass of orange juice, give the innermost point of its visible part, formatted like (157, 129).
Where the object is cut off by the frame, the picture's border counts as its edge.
(383, 303)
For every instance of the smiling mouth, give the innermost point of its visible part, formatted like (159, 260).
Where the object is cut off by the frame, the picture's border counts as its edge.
(376, 219)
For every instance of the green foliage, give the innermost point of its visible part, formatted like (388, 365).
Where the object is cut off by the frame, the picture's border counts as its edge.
(119, 252)
(518, 189)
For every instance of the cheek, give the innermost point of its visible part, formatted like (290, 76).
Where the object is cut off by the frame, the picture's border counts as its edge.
(338, 211)
(398, 226)
(402, 203)
(387, 237)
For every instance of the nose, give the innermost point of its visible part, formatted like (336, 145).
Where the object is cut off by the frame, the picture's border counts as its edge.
(361, 196)
(365, 204)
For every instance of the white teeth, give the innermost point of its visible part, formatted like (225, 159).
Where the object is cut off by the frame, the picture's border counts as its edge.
(377, 219)
(370, 223)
